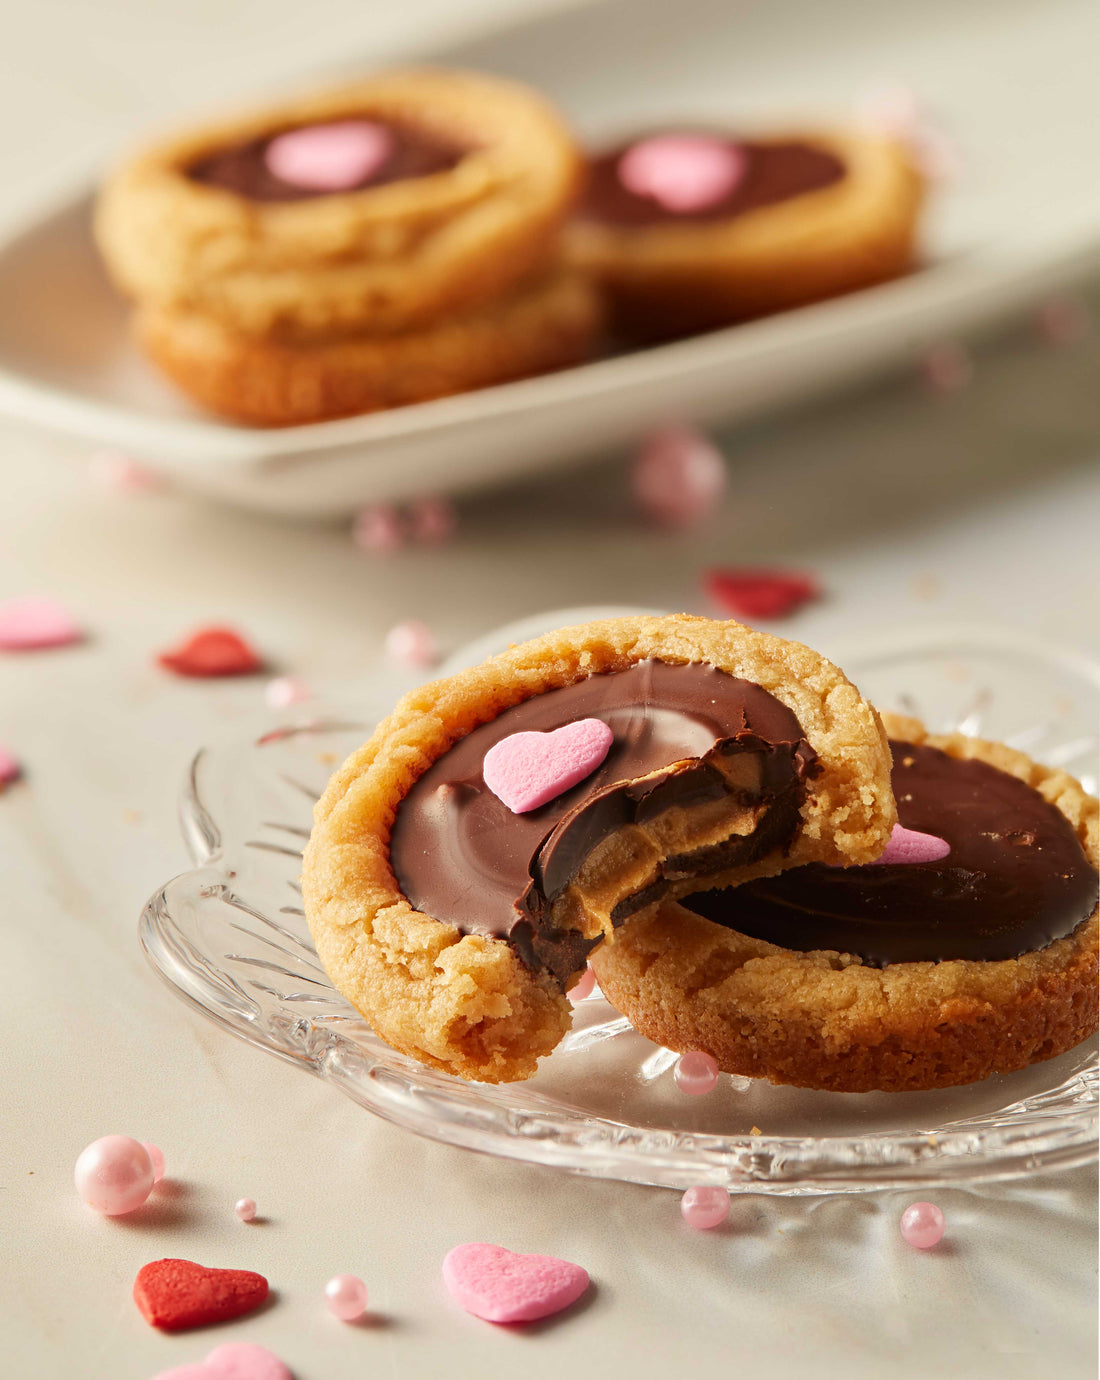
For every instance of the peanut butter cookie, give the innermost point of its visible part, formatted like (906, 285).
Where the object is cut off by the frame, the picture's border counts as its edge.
(455, 921)
(896, 977)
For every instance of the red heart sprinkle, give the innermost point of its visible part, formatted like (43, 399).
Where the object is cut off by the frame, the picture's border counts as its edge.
(177, 1294)
(212, 652)
(760, 593)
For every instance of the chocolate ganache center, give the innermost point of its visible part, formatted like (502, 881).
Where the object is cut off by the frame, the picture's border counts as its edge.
(1016, 879)
(774, 172)
(242, 168)
(459, 854)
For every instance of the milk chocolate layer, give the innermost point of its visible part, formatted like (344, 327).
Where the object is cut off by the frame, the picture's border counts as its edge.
(460, 855)
(775, 172)
(1015, 880)
(242, 168)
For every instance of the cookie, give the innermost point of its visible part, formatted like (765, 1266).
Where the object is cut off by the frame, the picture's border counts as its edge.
(894, 977)
(544, 325)
(415, 193)
(687, 232)
(455, 924)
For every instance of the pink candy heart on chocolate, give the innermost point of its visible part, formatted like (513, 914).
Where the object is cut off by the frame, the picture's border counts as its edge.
(503, 1287)
(232, 1361)
(330, 158)
(683, 172)
(525, 770)
(911, 846)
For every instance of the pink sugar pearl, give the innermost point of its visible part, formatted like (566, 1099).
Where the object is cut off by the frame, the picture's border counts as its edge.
(583, 987)
(10, 770)
(677, 477)
(284, 691)
(703, 1207)
(114, 1175)
(1062, 321)
(245, 1208)
(922, 1225)
(696, 1073)
(947, 367)
(156, 1156)
(431, 520)
(378, 529)
(346, 1296)
(412, 644)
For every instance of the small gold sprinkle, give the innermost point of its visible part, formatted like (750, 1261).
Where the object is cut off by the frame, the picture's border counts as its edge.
(132, 816)
(327, 758)
(755, 1131)
(926, 587)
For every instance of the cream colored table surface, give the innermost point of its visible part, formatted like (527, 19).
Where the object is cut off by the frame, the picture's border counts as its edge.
(981, 507)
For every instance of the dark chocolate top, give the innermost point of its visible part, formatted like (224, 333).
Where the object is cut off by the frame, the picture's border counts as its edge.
(775, 172)
(242, 168)
(460, 855)
(1015, 880)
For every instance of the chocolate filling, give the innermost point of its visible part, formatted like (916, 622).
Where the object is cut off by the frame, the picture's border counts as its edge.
(1015, 880)
(242, 168)
(776, 172)
(460, 855)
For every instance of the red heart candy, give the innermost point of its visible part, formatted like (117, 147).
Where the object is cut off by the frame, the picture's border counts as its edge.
(760, 593)
(212, 652)
(177, 1294)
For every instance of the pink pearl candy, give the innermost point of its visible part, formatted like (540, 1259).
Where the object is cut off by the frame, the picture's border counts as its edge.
(117, 471)
(583, 987)
(156, 1157)
(114, 1175)
(346, 1296)
(922, 1225)
(704, 1207)
(677, 477)
(431, 520)
(284, 691)
(245, 1208)
(378, 530)
(696, 1073)
(947, 367)
(412, 644)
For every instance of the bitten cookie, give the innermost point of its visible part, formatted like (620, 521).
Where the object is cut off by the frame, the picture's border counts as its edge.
(543, 325)
(396, 200)
(901, 976)
(688, 232)
(455, 921)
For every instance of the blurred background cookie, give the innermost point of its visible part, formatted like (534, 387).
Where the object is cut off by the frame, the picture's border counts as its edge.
(690, 230)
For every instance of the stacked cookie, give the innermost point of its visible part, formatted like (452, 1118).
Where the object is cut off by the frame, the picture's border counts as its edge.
(381, 244)
(710, 816)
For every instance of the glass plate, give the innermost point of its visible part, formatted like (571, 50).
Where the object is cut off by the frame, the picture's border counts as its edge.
(231, 938)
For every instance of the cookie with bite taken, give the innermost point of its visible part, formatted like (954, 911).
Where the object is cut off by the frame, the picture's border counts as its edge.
(503, 822)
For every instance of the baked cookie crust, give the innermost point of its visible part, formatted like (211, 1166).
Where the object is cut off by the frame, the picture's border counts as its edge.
(543, 325)
(825, 1020)
(677, 277)
(382, 259)
(465, 1002)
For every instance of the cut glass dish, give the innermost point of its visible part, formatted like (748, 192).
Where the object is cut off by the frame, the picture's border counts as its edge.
(230, 937)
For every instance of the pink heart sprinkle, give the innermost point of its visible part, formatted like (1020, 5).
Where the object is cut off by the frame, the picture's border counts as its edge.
(503, 1287)
(911, 846)
(330, 158)
(525, 770)
(232, 1361)
(683, 172)
(31, 622)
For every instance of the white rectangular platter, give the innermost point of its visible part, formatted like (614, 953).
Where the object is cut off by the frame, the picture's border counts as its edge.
(1012, 80)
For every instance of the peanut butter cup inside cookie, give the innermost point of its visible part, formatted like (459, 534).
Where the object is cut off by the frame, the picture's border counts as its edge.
(455, 920)
(901, 975)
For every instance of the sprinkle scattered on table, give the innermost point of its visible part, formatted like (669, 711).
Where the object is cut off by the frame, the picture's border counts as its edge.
(760, 593)
(212, 651)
